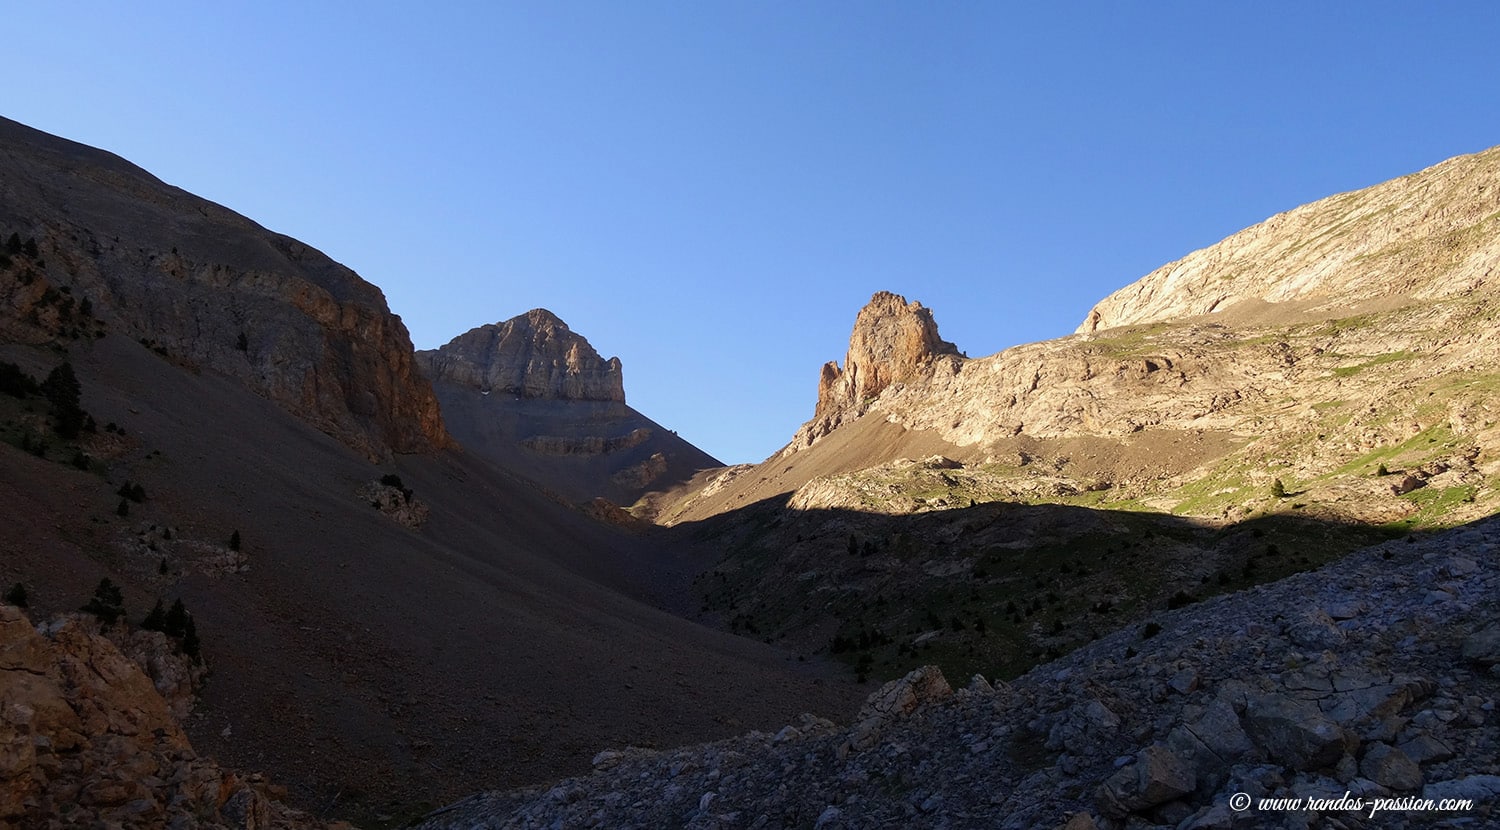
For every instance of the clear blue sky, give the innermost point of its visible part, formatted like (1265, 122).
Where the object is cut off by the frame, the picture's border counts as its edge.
(710, 189)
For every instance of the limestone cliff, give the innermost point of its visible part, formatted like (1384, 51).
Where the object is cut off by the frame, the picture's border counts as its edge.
(534, 355)
(111, 249)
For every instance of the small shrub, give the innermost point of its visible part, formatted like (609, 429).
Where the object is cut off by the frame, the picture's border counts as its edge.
(123, 510)
(1278, 490)
(1382, 471)
(234, 541)
(1150, 629)
(190, 645)
(62, 390)
(15, 382)
(1181, 599)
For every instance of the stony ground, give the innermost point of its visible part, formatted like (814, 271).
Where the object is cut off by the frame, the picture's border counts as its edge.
(1375, 676)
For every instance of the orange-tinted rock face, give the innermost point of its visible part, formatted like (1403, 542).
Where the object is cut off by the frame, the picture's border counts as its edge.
(534, 355)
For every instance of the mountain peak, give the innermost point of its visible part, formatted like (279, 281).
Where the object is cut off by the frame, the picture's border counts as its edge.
(533, 355)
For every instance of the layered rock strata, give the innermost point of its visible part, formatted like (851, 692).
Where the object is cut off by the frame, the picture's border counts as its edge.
(1430, 235)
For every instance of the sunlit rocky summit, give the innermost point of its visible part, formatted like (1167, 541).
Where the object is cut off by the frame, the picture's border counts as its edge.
(1233, 537)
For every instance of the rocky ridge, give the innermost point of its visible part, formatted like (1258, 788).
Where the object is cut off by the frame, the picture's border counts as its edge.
(1374, 677)
(87, 737)
(1329, 343)
(1419, 238)
(117, 249)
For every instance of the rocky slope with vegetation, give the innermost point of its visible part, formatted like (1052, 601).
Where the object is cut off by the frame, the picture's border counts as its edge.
(1261, 407)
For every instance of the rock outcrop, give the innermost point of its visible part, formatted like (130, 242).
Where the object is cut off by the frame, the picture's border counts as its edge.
(534, 355)
(118, 250)
(86, 739)
(893, 342)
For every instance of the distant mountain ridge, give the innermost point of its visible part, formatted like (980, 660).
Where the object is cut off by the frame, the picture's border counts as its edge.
(533, 396)
(1234, 447)
(1313, 328)
(534, 355)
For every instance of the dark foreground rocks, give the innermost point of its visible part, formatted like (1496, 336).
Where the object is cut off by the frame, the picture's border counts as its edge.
(1291, 705)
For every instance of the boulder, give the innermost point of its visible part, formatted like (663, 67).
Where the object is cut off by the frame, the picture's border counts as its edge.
(1295, 733)
(1157, 776)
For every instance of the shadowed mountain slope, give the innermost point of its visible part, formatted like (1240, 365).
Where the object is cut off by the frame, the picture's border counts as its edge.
(207, 287)
(1258, 410)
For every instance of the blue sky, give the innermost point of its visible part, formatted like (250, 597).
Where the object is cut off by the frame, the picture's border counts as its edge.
(711, 190)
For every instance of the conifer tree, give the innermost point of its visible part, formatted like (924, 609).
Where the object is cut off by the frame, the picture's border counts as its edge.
(157, 619)
(108, 602)
(17, 596)
(175, 623)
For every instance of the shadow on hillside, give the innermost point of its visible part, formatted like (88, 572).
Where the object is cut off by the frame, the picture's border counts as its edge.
(993, 588)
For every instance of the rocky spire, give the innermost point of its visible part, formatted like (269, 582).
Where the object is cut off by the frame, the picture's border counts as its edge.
(534, 355)
(893, 342)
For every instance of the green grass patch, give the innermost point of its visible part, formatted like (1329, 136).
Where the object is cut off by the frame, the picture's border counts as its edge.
(1377, 360)
(1434, 441)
